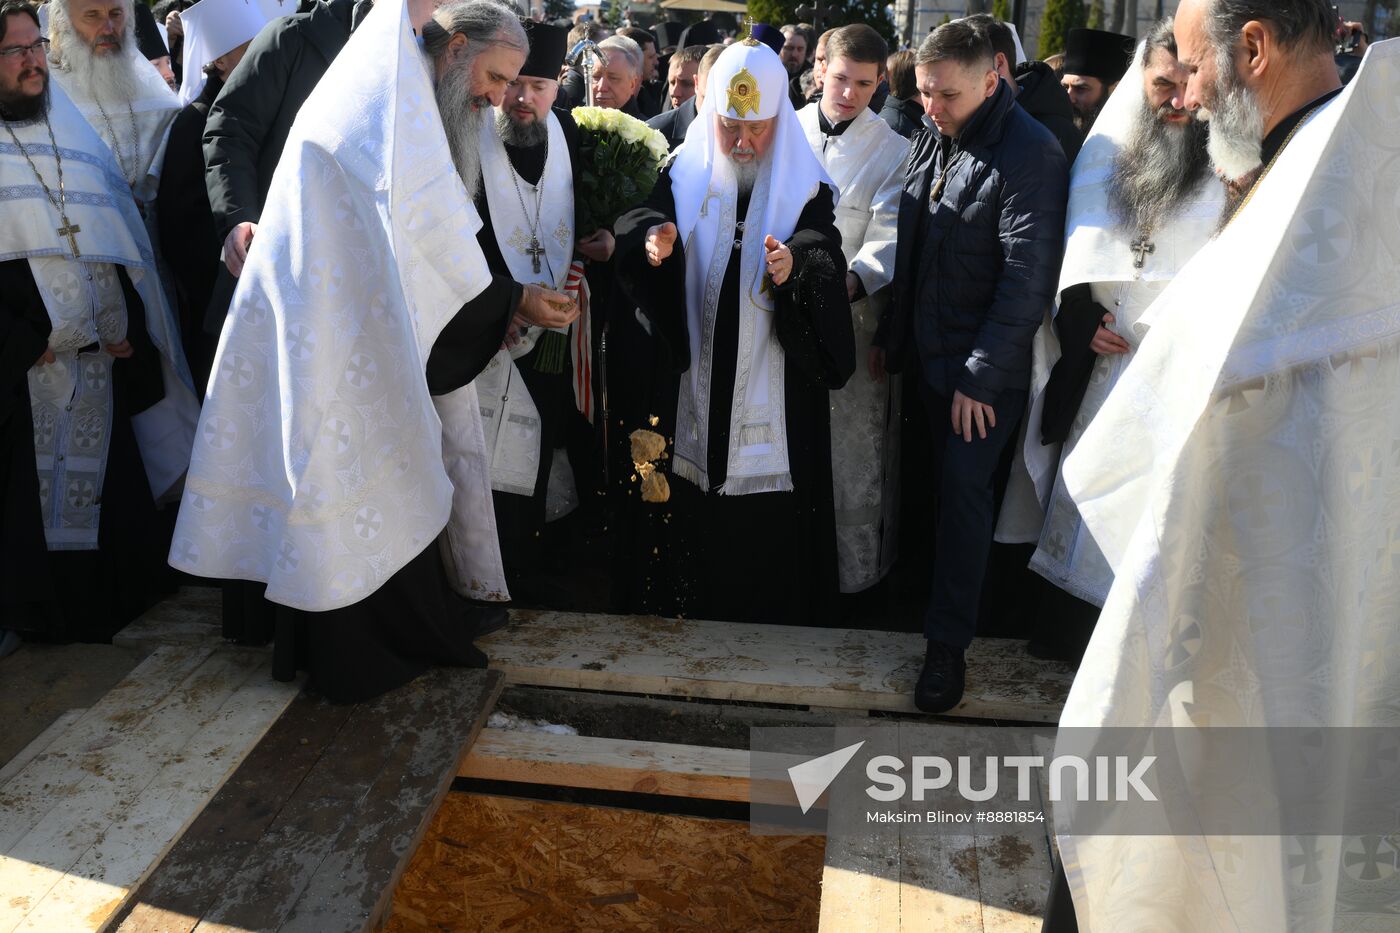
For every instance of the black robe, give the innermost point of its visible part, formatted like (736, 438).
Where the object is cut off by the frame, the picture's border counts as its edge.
(766, 557)
(189, 241)
(415, 620)
(74, 595)
(520, 519)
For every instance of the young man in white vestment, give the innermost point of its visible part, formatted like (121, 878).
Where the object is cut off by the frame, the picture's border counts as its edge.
(1143, 200)
(340, 459)
(866, 160)
(1242, 484)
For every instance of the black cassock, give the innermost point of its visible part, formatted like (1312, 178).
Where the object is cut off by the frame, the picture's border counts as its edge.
(519, 519)
(765, 557)
(74, 595)
(415, 620)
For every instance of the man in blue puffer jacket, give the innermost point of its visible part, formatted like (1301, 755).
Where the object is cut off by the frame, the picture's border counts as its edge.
(981, 234)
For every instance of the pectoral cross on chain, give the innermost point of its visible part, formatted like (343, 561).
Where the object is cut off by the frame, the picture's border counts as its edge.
(1141, 249)
(535, 251)
(70, 230)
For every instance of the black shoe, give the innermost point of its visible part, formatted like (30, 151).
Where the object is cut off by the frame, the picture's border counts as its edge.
(941, 682)
(484, 618)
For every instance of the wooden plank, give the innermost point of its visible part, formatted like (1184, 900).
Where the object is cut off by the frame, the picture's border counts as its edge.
(39, 743)
(610, 764)
(31, 794)
(377, 741)
(180, 891)
(860, 885)
(107, 874)
(193, 616)
(835, 668)
(354, 887)
(82, 817)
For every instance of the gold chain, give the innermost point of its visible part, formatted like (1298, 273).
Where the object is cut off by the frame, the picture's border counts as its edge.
(1249, 196)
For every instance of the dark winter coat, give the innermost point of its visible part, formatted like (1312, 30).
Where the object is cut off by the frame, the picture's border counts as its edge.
(252, 116)
(978, 273)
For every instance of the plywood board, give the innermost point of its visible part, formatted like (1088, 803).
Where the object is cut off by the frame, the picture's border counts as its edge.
(495, 863)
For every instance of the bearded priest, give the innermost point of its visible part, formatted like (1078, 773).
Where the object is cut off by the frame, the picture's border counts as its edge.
(736, 262)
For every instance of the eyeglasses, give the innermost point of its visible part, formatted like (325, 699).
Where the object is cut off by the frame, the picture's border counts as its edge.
(17, 52)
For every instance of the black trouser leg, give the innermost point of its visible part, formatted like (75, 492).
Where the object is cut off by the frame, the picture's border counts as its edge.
(966, 473)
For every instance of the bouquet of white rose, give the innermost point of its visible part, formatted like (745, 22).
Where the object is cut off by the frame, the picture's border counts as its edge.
(621, 158)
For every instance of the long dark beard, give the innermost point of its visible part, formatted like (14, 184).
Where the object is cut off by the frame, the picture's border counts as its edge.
(1157, 169)
(521, 135)
(25, 109)
(462, 118)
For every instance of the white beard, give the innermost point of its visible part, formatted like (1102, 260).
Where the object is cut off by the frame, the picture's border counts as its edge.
(109, 78)
(1236, 129)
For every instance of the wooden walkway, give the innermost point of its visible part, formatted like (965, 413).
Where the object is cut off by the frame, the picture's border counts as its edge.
(313, 832)
(833, 668)
(200, 794)
(104, 794)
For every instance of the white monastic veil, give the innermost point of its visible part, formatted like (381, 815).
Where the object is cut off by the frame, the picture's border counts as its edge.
(704, 187)
(1242, 480)
(322, 466)
(1097, 250)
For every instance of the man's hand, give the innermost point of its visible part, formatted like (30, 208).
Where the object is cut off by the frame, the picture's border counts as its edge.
(967, 412)
(236, 247)
(121, 351)
(597, 246)
(544, 308)
(174, 28)
(660, 241)
(876, 362)
(1106, 341)
(46, 358)
(779, 259)
(852, 285)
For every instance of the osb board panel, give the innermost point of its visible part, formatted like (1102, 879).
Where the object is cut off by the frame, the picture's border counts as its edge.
(497, 863)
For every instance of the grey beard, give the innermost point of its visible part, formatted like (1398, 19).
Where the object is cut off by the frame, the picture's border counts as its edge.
(108, 78)
(1157, 169)
(1236, 127)
(463, 115)
(521, 135)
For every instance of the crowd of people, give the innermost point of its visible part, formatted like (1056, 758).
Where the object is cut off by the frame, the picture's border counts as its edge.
(307, 303)
(904, 339)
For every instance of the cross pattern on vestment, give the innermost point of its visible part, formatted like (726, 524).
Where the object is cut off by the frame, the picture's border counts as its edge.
(70, 230)
(1141, 249)
(1370, 859)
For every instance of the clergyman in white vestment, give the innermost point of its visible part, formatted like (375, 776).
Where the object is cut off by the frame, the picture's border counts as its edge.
(340, 457)
(866, 160)
(1243, 485)
(1143, 200)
